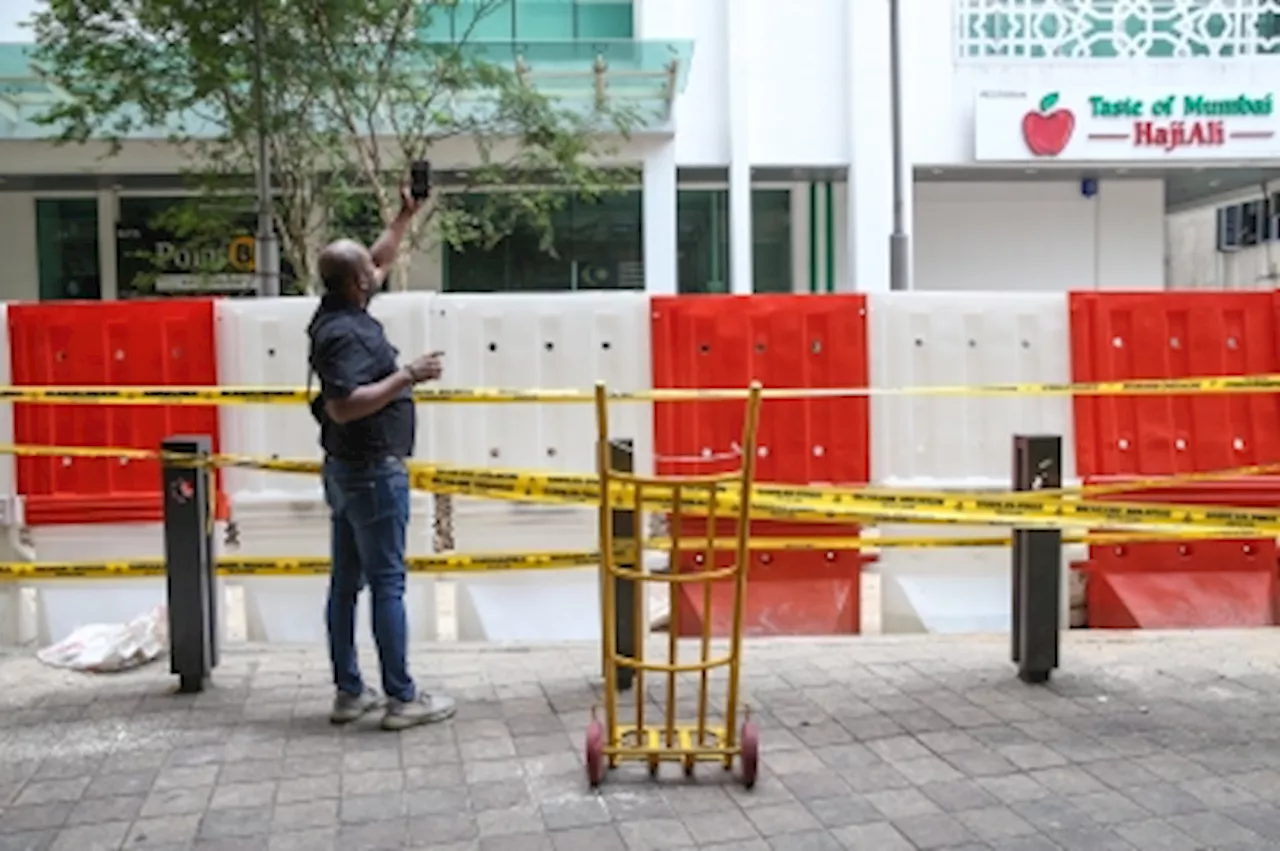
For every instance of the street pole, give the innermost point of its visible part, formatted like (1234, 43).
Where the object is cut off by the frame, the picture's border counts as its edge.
(266, 250)
(899, 242)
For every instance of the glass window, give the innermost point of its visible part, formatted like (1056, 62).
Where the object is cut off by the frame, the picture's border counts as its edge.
(598, 246)
(532, 20)
(67, 248)
(601, 246)
(771, 241)
(171, 246)
(702, 240)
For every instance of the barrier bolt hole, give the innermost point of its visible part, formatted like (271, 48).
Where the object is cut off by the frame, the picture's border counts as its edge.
(1238, 444)
(1175, 343)
(271, 353)
(549, 346)
(765, 558)
(1117, 343)
(973, 344)
(919, 342)
(551, 452)
(760, 347)
(816, 347)
(493, 347)
(1232, 344)
(493, 453)
(704, 349)
(605, 345)
(1123, 443)
(1180, 444)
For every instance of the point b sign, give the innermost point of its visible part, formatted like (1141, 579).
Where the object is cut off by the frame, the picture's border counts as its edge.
(1118, 125)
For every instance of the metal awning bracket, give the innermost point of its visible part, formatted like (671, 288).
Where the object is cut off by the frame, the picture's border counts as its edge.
(599, 69)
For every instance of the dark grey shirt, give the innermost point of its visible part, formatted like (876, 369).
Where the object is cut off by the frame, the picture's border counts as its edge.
(349, 349)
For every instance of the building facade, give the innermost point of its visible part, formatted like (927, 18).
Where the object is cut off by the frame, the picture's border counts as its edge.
(1044, 147)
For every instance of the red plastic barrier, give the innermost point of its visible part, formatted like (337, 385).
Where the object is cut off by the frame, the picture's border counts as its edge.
(789, 592)
(1186, 584)
(82, 344)
(1181, 585)
(1173, 335)
(783, 341)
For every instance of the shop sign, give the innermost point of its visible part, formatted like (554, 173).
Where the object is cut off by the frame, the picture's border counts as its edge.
(1116, 125)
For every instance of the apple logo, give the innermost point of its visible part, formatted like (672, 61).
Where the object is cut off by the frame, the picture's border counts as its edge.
(1047, 133)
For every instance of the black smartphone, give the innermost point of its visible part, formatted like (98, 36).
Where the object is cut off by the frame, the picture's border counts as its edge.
(420, 179)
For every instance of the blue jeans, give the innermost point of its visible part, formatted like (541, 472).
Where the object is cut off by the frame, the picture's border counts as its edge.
(370, 511)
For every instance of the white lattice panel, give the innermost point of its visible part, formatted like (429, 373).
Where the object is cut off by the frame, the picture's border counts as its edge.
(951, 339)
(1116, 29)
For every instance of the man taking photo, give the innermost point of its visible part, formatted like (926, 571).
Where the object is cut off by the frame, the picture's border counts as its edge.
(367, 427)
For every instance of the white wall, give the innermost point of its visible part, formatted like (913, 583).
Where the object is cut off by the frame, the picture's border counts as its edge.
(810, 88)
(1039, 237)
(18, 247)
(939, 91)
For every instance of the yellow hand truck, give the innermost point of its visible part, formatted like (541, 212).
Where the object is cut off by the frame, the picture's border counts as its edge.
(612, 742)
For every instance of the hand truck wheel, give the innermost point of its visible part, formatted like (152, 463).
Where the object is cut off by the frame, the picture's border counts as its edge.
(595, 753)
(750, 753)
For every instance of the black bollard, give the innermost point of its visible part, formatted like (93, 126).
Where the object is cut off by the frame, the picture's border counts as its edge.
(1037, 564)
(189, 567)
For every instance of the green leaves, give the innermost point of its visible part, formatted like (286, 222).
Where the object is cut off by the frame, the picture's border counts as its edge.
(353, 96)
(1049, 101)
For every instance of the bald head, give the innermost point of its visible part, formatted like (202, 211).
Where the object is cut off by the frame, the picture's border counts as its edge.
(346, 269)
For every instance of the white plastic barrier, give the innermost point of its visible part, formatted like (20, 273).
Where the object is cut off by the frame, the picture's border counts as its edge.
(11, 615)
(965, 589)
(63, 605)
(949, 339)
(49, 611)
(536, 605)
(263, 342)
(10, 594)
(562, 340)
(936, 339)
(291, 610)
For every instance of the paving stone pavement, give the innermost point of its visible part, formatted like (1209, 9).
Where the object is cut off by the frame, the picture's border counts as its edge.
(1163, 741)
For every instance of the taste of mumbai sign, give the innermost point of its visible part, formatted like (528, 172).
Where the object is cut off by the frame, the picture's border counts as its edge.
(1114, 126)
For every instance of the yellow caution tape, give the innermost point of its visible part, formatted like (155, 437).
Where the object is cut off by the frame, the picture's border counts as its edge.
(455, 563)
(434, 564)
(694, 545)
(771, 501)
(844, 505)
(206, 395)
